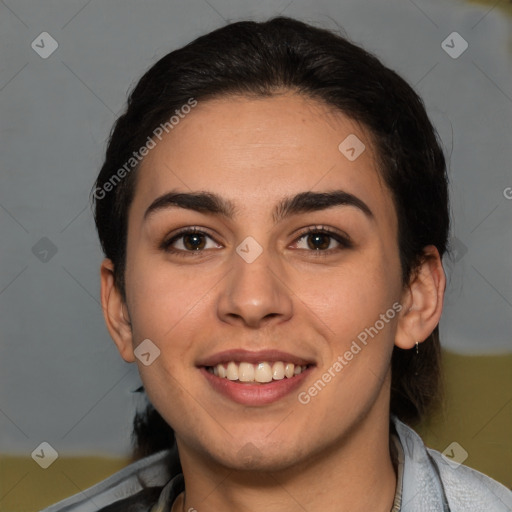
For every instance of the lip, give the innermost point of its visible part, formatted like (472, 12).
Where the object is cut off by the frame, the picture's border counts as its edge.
(250, 394)
(248, 356)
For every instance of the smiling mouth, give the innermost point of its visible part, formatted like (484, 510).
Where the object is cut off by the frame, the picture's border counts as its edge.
(260, 373)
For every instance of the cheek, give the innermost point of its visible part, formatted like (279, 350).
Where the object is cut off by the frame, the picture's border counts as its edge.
(351, 298)
(162, 296)
(361, 315)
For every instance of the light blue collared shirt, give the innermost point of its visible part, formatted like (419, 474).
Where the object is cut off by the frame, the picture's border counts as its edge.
(426, 482)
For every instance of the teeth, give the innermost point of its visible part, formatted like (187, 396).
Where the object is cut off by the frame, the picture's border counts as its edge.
(278, 371)
(261, 372)
(246, 372)
(232, 371)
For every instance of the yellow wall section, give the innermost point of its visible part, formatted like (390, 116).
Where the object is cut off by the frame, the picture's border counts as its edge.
(477, 414)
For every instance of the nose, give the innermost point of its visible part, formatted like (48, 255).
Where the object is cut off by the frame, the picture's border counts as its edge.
(253, 295)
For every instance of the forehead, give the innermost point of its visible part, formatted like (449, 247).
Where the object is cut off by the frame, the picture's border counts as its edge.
(253, 151)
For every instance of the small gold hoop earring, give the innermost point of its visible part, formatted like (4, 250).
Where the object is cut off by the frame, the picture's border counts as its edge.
(417, 347)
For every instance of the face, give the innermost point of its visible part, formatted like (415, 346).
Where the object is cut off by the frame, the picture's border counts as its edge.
(274, 308)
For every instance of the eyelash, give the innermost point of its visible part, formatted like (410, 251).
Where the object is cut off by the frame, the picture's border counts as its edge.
(344, 241)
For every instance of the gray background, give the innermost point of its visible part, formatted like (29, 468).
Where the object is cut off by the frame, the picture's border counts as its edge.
(61, 378)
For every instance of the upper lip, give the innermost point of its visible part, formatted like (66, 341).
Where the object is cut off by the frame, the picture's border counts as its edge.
(247, 356)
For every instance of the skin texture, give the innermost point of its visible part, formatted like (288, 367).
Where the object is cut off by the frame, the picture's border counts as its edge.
(332, 453)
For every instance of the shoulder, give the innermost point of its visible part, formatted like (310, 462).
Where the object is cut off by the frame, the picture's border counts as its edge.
(430, 478)
(469, 490)
(133, 485)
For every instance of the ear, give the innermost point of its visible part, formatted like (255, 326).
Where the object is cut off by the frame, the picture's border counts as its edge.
(116, 313)
(422, 301)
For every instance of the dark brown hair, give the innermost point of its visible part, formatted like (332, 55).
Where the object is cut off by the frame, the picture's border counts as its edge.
(250, 58)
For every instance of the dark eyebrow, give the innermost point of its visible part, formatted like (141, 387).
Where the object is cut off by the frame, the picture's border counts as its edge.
(316, 201)
(204, 202)
(207, 202)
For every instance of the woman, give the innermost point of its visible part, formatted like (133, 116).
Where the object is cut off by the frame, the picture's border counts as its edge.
(273, 209)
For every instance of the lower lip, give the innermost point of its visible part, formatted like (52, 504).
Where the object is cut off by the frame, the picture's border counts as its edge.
(255, 394)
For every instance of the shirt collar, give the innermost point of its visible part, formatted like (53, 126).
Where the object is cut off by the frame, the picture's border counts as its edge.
(412, 464)
(176, 485)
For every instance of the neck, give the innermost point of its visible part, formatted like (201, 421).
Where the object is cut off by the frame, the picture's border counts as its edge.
(356, 474)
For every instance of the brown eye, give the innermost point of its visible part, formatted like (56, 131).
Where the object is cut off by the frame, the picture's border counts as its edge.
(319, 241)
(194, 241)
(189, 241)
(322, 240)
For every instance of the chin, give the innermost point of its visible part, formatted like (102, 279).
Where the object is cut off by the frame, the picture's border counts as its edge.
(261, 458)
